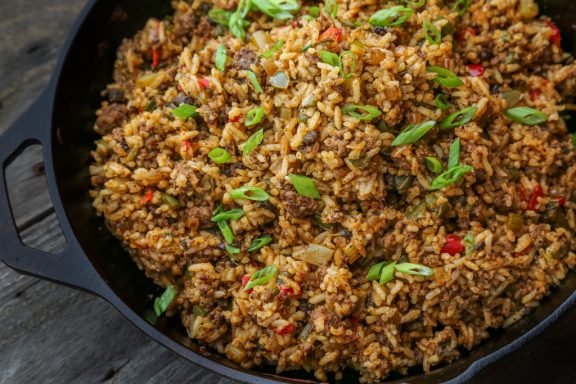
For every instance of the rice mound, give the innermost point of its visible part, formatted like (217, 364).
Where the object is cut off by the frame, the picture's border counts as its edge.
(157, 189)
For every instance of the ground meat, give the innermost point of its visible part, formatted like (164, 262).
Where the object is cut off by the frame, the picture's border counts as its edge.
(115, 95)
(111, 117)
(296, 205)
(199, 217)
(310, 137)
(244, 58)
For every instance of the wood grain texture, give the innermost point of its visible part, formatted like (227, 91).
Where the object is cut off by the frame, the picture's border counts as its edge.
(53, 334)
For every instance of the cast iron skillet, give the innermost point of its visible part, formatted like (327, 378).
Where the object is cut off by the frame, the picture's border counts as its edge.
(62, 119)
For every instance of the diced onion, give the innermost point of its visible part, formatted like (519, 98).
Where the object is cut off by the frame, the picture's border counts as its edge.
(313, 253)
(280, 80)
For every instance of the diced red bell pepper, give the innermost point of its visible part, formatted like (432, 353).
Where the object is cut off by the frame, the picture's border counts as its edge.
(556, 37)
(204, 83)
(155, 57)
(561, 201)
(234, 119)
(294, 24)
(187, 145)
(453, 245)
(536, 194)
(285, 291)
(332, 33)
(245, 280)
(148, 196)
(285, 330)
(475, 70)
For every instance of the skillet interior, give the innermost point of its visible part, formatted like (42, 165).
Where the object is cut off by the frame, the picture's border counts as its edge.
(86, 70)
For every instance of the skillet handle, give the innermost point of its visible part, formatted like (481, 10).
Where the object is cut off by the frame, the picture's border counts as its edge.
(70, 267)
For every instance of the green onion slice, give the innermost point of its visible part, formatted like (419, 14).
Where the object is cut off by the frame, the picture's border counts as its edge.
(233, 214)
(413, 133)
(185, 111)
(219, 16)
(277, 9)
(449, 177)
(171, 201)
(162, 303)
(249, 193)
(459, 118)
(306, 47)
(224, 227)
(387, 273)
(432, 33)
(454, 158)
(414, 269)
(375, 271)
(329, 58)
(305, 186)
(391, 17)
(261, 277)
(526, 115)
(220, 57)
(198, 311)
(433, 164)
(254, 116)
(314, 11)
(252, 142)
(361, 112)
(441, 101)
(414, 4)
(259, 243)
(232, 250)
(219, 155)
(470, 244)
(254, 81)
(445, 77)
(331, 8)
(272, 50)
(344, 74)
(461, 6)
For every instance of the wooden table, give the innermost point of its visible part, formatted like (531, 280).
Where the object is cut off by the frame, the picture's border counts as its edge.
(53, 334)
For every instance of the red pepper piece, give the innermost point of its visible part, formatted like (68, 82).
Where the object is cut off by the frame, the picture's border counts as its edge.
(536, 194)
(475, 70)
(535, 93)
(285, 330)
(234, 119)
(187, 145)
(245, 280)
(148, 196)
(285, 291)
(453, 245)
(332, 33)
(204, 83)
(155, 57)
(294, 24)
(556, 37)
(462, 36)
(561, 201)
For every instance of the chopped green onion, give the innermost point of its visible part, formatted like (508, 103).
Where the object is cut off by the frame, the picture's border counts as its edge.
(375, 271)
(237, 19)
(171, 201)
(433, 164)
(277, 9)
(526, 115)
(305, 332)
(470, 244)
(414, 269)
(314, 11)
(151, 106)
(306, 47)
(341, 64)
(272, 50)
(331, 8)
(198, 311)
(252, 142)
(162, 303)
(387, 273)
(259, 243)
(219, 16)
(414, 4)
(185, 111)
(454, 158)
(442, 102)
(220, 57)
(413, 133)
(261, 277)
(459, 118)
(451, 176)
(361, 112)
(233, 214)
(512, 97)
(219, 155)
(224, 227)
(461, 6)
(305, 186)
(232, 250)
(329, 58)
(254, 116)
(432, 33)
(280, 80)
(249, 193)
(445, 77)
(254, 81)
(391, 17)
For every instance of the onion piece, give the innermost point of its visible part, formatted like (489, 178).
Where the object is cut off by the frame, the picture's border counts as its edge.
(280, 80)
(313, 253)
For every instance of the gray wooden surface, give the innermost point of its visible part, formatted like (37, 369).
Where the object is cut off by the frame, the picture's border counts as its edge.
(49, 333)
